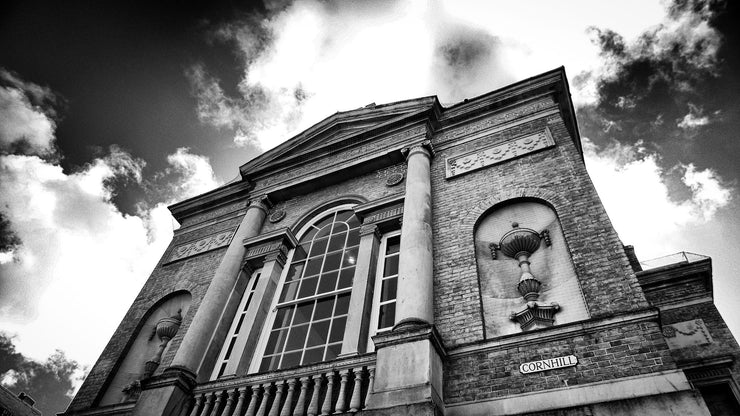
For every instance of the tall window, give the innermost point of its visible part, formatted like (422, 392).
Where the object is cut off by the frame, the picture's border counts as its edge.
(311, 310)
(383, 316)
(236, 325)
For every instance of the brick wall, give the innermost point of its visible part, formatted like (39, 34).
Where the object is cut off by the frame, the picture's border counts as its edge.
(616, 352)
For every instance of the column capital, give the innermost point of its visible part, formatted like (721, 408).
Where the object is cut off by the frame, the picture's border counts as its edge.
(424, 147)
(370, 229)
(260, 202)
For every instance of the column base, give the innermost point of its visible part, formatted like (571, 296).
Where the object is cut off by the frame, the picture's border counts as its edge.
(408, 372)
(167, 394)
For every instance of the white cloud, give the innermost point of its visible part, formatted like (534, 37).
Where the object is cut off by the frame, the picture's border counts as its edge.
(315, 58)
(81, 260)
(22, 120)
(631, 186)
(195, 171)
(694, 118)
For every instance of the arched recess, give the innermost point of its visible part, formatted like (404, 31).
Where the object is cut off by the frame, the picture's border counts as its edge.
(526, 275)
(150, 343)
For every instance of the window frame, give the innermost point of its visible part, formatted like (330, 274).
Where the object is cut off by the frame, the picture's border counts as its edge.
(246, 300)
(377, 287)
(275, 304)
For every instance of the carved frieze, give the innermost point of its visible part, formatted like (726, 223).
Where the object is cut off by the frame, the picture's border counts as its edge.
(211, 242)
(495, 120)
(686, 334)
(457, 165)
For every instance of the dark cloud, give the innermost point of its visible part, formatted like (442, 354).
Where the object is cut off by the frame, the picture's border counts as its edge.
(671, 91)
(9, 240)
(49, 383)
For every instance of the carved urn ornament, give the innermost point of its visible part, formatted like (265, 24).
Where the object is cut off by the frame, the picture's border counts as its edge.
(520, 244)
(165, 330)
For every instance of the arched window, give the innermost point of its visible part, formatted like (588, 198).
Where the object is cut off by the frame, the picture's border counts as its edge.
(310, 312)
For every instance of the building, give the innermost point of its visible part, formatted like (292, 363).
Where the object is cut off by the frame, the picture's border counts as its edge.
(413, 259)
(20, 405)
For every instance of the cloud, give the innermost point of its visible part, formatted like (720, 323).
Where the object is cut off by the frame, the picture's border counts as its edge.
(78, 249)
(694, 118)
(633, 189)
(26, 115)
(65, 244)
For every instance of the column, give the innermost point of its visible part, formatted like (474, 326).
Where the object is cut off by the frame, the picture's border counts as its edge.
(198, 337)
(414, 304)
(361, 302)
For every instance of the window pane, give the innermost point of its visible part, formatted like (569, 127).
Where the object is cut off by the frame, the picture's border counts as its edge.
(328, 282)
(345, 278)
(303, 313)
(297, 337)
(354, 238)
(239, 324)
(269, 363)
(294, 271)
(313, 355)
(291, 359)
(393, 245)
(314, 266)
(387, 315)
(337, 329)
(276, 341)
(332, 261)
(319, 247)
(323, 308)
(332, 351)
(353, 222)
(301, 252)
(283, 317)
(391, 266)
(309, 234)
(324, 231)
(308, 287)
(318, 334)
(350, 257)
(389, 289)
(342, 304)
(289, 291)
(337, 241)
(231, 348)
(344, 215)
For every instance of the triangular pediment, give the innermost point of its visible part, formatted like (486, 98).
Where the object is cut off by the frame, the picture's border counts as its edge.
(336, 129)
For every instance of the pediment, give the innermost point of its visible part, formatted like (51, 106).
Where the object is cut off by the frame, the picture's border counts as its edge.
(338, 130)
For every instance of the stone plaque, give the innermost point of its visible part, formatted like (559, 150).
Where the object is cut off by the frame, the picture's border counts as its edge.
(457, 165)
(208, 243)
(549, 364)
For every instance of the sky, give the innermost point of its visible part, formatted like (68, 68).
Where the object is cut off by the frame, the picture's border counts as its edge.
(110, 111)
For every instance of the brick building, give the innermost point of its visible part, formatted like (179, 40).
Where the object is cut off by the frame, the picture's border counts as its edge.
(409, 258)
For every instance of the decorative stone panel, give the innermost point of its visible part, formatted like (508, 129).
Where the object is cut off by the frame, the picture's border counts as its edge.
(208, 243)
(457, 165)
(686, 334)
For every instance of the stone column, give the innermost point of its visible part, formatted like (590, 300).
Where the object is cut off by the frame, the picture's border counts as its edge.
(200, 333)
(358, 320)
(414, 304)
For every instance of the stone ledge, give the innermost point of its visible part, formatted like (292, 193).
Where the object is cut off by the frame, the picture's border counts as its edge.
(599, 392)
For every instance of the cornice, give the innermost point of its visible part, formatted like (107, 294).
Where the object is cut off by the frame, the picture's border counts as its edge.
(220, 196)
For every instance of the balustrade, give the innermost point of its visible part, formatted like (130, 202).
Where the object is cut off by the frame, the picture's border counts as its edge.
(314, 391)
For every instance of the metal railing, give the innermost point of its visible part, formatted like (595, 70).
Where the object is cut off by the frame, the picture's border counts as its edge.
(340, 386)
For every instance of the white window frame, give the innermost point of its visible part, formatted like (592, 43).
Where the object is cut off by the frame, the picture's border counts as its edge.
(247, 299)
(259, 351)
(375, 312)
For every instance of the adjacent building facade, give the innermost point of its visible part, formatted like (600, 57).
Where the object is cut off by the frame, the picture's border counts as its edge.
(409, 258)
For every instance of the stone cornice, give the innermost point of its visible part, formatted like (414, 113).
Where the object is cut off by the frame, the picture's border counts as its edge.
(209, 200)
(411, 334)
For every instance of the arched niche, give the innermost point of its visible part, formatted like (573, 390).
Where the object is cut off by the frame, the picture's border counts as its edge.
(147, 345)
(518, 238)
